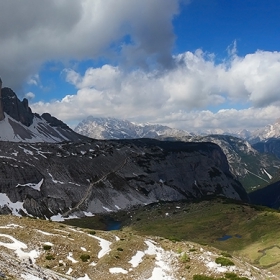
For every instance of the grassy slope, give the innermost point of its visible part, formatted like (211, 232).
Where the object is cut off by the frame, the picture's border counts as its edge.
(181, 230)
(207, 221)
(186, 257)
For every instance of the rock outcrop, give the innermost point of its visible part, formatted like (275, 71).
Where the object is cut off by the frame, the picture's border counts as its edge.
(18, 110)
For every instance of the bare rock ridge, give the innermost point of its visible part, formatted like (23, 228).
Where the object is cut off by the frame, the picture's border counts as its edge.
(45, 179)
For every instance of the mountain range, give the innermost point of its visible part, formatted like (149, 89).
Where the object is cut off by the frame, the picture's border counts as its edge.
(174, 197)
(250, 165)
(112, 128)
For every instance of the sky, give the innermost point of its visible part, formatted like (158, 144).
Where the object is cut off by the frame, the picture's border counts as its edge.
(197, 65)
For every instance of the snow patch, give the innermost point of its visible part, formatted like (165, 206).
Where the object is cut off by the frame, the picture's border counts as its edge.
(15, 207)
(137, 258)
(104, 244)
(115, 270)
(70, 258)
(17, 246)
(107, 209)
(36, 187)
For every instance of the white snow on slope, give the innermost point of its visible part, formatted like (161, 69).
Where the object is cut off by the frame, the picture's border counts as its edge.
(30, 277)
(36, 187)
(137, 258)
(15, 207)
(115, 270)
(104, 244)
(70, 258)
(11, 226)
(268, 175)
(55, 181)
(17, 246)
(163, 269)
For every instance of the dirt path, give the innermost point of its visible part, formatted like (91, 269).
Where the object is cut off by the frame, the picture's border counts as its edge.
(89, 190)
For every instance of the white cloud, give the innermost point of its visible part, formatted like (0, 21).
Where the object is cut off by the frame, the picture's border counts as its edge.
(29, 95)
(149, 84)
(33, 32)
(181, 95)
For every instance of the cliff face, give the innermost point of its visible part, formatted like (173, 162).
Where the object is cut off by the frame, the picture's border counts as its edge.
(15, 108)
(100, 176)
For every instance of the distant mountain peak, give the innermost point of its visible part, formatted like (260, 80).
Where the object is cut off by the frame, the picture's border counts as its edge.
(113, 128)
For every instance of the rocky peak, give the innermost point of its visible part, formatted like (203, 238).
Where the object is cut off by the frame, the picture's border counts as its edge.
(18, 110)
(53, 121)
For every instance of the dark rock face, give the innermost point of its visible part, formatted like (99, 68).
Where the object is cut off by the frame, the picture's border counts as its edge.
(99, 176)
(17, 109)
(268, 196)
(270, 146)
(21, 125)
(54, 121)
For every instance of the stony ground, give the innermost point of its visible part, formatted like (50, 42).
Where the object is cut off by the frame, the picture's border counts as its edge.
(37, 249)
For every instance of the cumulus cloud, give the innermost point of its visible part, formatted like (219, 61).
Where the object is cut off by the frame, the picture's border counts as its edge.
(149, 84)
(181, 96)
(33, 32)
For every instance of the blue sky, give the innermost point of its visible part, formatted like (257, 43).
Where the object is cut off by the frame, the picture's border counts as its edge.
(197, 65)
(214, 25)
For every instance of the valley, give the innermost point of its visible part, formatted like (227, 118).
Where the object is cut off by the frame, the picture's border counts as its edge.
(175, 207)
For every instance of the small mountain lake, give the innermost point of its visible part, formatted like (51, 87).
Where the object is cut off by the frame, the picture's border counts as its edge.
(226, 237)
(99, 222)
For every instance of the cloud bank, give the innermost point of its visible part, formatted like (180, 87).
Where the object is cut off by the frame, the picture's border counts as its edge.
(141, 80)
(184, 96)
(33, 32)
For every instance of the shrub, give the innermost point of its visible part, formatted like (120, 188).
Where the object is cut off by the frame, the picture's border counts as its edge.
(120, 249)
(224, 261)
(185, 257)
(85, 257)
(192, 250)
(173, 239)
(233, 276)
(227, 255)
(92, 232)
(202, 277)
(47, 247)
(49, 257)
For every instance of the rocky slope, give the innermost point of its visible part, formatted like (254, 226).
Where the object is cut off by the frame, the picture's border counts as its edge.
(45, 180)
(21, 125)
(252, 168)
(35, 249)
(269, 146)
(112, 128)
